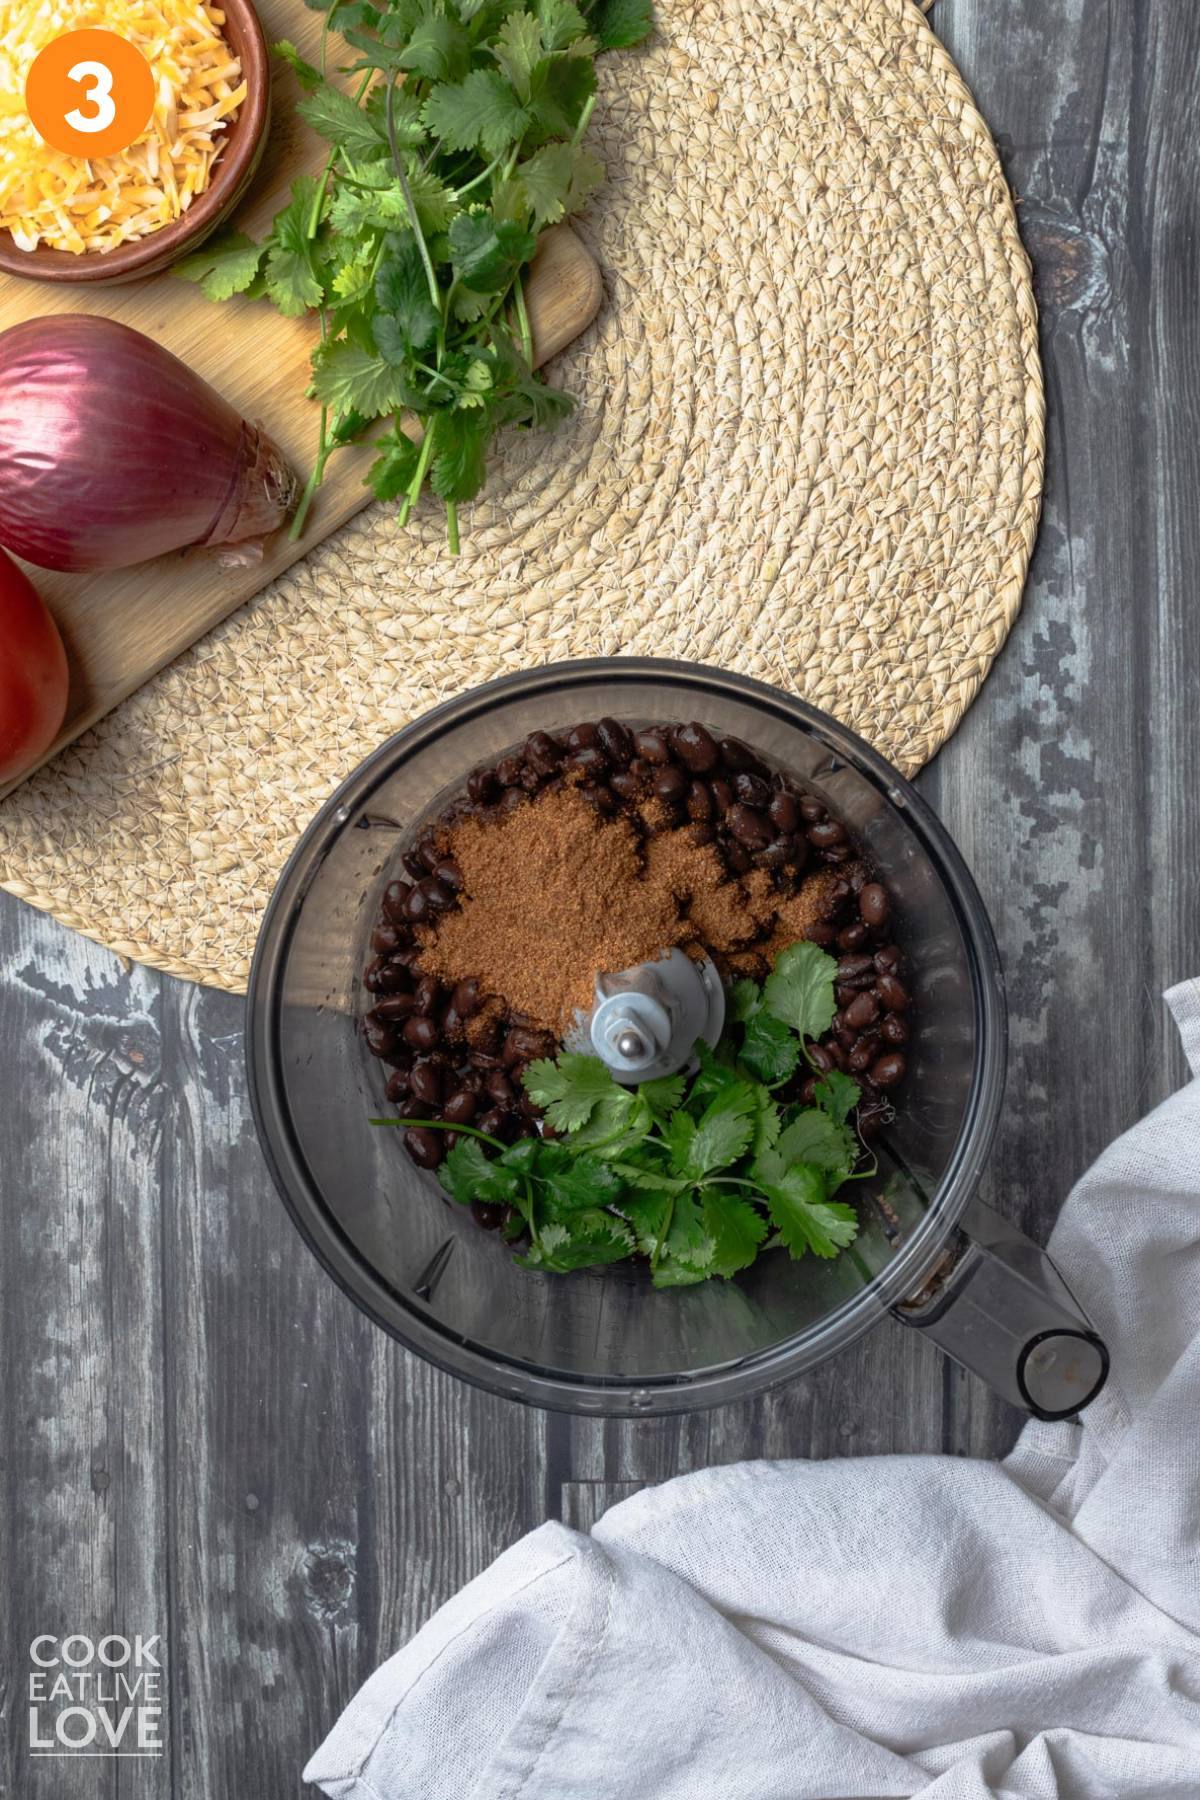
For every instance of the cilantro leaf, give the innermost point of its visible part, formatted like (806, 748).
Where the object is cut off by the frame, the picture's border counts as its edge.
(391, 473)
(569, 1089)
(814, 1137)
(616, 24)
(461, 440)
(619, 1121)
(485, 253)
(800, 989)
(837, 1095)
(570, 1182)
(402, 294)
(468, 1173)
(291, 275)
(562, 88)
(224, 267)
(518, 49)
(804, 1217)
(735, 1227)
(723, 1131)
(347, 378)
(770, 1050)
(482, 110)
(308, 76)
(663, 1095)
(557, 179)
(438, 47)
(744, 1000)
(561, 23)
(592, 1238)
(341, 121)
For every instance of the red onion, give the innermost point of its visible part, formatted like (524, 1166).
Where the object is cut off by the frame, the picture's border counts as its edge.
(113, 451)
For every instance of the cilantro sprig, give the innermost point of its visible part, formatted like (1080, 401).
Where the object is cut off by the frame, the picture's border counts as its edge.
(460, 143)
(698, 1173)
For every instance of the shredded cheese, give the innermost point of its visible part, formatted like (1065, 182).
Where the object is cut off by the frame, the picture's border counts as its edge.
(80, 204)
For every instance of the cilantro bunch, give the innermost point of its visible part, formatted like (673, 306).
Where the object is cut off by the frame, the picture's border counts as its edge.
(459, 145)
(697, 1173)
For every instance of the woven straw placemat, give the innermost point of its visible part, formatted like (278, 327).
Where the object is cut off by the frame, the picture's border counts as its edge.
(808, 446)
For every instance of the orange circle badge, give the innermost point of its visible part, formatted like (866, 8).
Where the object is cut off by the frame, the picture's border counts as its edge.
(90, 93)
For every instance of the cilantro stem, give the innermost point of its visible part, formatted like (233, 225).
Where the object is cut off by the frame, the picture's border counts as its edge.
(482, 176)
(452, 527)
(584, 117)
(442, 1125)
(661, 1239)
(415, 485)
(435, 293)
(523, 321)
(316, 476)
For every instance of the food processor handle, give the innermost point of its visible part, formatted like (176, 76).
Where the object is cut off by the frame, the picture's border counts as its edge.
(996, 1303)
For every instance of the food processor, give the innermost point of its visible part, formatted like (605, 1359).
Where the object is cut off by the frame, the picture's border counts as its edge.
(929, 1252)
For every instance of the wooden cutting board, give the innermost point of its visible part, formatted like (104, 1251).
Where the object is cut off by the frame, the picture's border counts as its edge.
(121, 627)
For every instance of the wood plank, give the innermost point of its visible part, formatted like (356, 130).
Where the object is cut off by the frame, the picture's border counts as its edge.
(122, 626)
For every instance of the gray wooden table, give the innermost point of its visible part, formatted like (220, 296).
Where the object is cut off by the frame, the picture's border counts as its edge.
(202, 1438)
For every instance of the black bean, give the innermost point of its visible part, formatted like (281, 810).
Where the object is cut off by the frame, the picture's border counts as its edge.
(851, 968)
(421, 1033)
(701, 832)
(808, 1090)
(416, 905)
(695, 748)
(819, 934)
(542, 753)
(393, 978)
(777, 853)
(749, 827)
(737, 856)
(451, 1026)
(385, 939)
(625, 784)
(392, 1008)
(752, 790)
(465, 998)
(437, 894)
(425, 1083)
(863, 1054)
(589, 760)
(397, 1086)
(500, 1088)
(826, 834)
(484, 1213)
(485, 1043)
(838, 853)
(811, 809)
(873, 904)
(887, 960)
(615, 741)
(785, 814)
(843, 993)
(426, 1147)
(699, 802)
(494, 1123)
(412, 1109)
(373, 976)
(671, 785)
(461, 1107)
(427, 993)
(394, 896)
(862, 1011)
(482, 786)
(852, 937)
(820, 1057)
(471, 1080)
(737, 756)
(602, 798)
(583, 737)
(893, 993)
(894, 1030)
(651, 745)
(509, 771)
(722, 794)
(414, 863)
(888, 1070)
(523, 1044)
(380, 1038)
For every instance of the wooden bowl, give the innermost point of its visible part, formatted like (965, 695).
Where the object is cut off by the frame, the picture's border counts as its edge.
(231, 175)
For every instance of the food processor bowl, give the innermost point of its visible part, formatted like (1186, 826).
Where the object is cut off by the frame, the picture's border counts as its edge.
(606, 1342)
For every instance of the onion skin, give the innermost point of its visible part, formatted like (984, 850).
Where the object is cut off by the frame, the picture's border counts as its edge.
(34, 680)
(113, 451)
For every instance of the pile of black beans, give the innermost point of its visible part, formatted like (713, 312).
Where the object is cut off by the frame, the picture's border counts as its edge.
(722, 792)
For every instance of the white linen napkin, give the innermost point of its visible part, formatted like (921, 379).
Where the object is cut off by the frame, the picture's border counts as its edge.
(880, 1626)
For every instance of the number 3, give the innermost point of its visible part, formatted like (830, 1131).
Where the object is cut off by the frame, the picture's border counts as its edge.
(99, 95)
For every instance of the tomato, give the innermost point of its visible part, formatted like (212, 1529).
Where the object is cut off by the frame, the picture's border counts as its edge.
(33, 674)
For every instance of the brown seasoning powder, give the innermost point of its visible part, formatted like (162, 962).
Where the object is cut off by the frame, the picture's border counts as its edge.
(554, 893)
